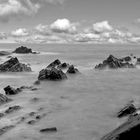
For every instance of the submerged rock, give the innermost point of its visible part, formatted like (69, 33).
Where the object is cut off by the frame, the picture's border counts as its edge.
(51, 74)
(127, 131)
(13, 65)
(129, 109)
(3, 53)
(55, 63)
(5, 129)
(23, 50)
(114, 63)
(4, 99)
(72, 70)
(49, 130)
(12, 109)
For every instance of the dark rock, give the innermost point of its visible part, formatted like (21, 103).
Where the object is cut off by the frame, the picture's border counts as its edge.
(49, 130)
(114, 63)
(23, 50)
(3, 53)
(13, 65)
(51, 74)
(55, 63)
(12, 109)
(10, 90)
(63, 66)
(37, 82)
(127, 131)
(5, 129)
(129, 109)
(72, 70)
(127, 59)
(4, 99)
(38, 117)
(31, 122)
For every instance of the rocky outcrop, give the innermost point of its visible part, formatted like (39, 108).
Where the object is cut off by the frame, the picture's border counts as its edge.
(129, 109)
(127, 131)
(72, 70)
(23, 50)
(114, 63)
(10, 90)
(63, 66)
(3, 53)
(55, 63)
(13, 65)
(4, 99)
(52, 74)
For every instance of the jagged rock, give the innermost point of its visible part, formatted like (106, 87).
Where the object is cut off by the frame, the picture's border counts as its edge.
(10, 90)
(55, 63)
(63, 66)
(127, 131)
(129, 109)
(72, 70)
(23, 50)
(3, 53)
(49, 130)
(13, 65)
(126, 59)
(114, 63)
(51, 74)
(12, 109)
(4, 99)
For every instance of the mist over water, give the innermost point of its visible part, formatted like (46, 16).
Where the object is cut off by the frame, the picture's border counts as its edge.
(82, 107)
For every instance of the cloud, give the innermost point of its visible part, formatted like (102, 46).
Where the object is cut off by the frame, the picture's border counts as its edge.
(10, 8)
(3, 36)
(21, 32)
(63, 26)
(42, 29)
(102, 27)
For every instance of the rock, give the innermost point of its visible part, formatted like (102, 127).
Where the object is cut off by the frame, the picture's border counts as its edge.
(127, 131)
(5, 129)
(49, 130)
(129, 109)
(3, 53)
(52, 74)
(4, 99)
(22, 50)
(13, 65)
(126, 59)
(63, 66)
(12, 109)
(114, 63)
(10, 90)
(72, 70)
(37, 82)
(55, 63)
(31, 122)
(1, 115)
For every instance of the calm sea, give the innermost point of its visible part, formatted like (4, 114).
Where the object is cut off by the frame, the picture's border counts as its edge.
(84, 106)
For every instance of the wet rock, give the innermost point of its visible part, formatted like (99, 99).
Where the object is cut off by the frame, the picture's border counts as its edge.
(4, 99)
(38, 117)
(126, 59)
(5, 129)
(55, 63)
(127, 131)
(23, 50)
(129, 109)
(72, 70)
(31, 122)
(3, 53)
(37, 82)
(63, 66)
(52, 74)
(49, 130)
(12, 109)
(13, 65)
(10, 90)
(114, 63)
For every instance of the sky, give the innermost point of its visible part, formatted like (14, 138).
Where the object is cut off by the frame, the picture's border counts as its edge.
(70, 21)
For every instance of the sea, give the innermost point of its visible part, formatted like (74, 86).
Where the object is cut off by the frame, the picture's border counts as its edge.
(83, 107)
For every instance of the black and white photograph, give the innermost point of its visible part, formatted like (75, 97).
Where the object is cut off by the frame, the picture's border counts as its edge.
(69, 69)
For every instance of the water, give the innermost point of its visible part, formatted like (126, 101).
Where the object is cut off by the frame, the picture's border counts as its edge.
(82, 107)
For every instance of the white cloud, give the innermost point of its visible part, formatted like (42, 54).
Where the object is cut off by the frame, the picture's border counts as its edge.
(63, 26)
(21, 32)
(102, 26)
(43, 29)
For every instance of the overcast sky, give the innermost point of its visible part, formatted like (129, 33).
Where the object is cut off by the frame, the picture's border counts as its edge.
(68, 21)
